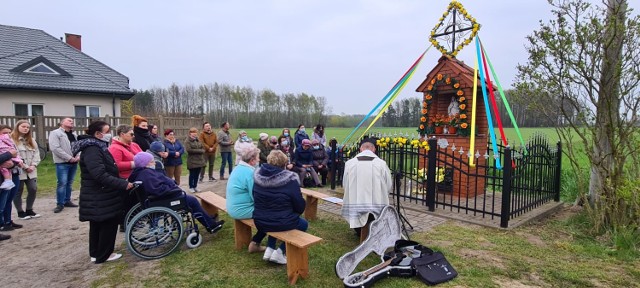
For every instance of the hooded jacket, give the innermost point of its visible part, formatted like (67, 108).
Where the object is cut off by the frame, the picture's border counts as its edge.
(278, 201)
(155, 183)
(101, 190)
(172, 148)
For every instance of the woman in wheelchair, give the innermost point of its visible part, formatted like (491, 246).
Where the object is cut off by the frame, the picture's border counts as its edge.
(159, 186)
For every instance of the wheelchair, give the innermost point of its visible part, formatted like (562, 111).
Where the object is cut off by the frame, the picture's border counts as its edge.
(155, 227)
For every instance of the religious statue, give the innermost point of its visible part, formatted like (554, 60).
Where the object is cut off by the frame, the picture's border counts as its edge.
(453, 107)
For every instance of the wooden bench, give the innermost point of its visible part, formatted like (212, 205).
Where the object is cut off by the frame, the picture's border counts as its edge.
(296, 241)
(311, 210)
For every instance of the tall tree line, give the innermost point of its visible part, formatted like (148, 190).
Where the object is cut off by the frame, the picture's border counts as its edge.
(242, 106)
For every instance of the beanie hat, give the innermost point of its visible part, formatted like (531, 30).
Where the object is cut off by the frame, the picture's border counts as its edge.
(142, 159)
(167, 131)
(263, 136)
(156, 146)
(306, 142)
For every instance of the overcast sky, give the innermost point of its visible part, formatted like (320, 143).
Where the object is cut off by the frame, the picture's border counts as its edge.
(350, 52)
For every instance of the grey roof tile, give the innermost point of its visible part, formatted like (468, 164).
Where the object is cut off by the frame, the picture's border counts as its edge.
(19, 45)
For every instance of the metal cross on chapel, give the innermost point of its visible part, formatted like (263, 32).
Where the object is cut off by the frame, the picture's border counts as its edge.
(455, 28)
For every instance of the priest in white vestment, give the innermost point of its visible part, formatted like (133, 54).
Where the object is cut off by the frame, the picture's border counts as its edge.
(367, 183)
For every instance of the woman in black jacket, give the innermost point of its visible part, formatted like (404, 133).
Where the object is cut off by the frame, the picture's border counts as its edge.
(278, 203)
(100, 191)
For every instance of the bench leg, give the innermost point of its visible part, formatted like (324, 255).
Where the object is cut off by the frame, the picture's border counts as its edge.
(311, 209)
(209, 208)
(297, 263)
(242, 234)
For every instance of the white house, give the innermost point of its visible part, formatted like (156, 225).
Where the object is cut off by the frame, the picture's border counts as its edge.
(42, 75)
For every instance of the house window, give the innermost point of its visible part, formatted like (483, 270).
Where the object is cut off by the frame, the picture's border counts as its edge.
(87, 111)
(41, 68)
(29, 109)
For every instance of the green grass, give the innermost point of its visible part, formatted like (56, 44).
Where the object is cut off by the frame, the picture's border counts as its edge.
(555, 253)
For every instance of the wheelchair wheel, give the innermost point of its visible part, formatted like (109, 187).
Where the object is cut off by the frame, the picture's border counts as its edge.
(132, 213)
(194, 240)
(154, 233)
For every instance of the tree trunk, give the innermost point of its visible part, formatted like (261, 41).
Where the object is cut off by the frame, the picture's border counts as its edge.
(603, 166)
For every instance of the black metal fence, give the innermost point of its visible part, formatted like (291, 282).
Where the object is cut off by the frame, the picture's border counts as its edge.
(441, 176)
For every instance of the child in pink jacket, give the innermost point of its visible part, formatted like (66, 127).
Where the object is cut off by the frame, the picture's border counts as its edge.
(6, 144)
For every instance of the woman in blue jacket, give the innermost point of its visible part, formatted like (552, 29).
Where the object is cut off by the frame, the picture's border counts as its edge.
(173, 162)
(278, 203)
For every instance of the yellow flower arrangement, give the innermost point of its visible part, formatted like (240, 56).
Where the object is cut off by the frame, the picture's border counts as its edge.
(427, 122)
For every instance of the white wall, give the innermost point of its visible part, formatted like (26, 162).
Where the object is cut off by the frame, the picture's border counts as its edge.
(57, 104)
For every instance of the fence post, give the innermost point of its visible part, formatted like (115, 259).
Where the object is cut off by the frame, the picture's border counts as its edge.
(431, 175)
(334, 164)
(505, 211)
(41, 134)
(160, 124)
(556, 196)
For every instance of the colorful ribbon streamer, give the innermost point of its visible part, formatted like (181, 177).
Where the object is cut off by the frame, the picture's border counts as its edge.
(487, 108)
(387, 98)
(504, 99)
(494, 104)
(472, 145)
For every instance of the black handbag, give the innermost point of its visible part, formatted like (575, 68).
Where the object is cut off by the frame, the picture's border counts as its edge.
(433, 268)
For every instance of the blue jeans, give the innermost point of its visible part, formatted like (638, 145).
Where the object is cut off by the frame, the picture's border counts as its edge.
(65, 172)
(194, 173)
(8, 202)
(226, 159)
(271, 241)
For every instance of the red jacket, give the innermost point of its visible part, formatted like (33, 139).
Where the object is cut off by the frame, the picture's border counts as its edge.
(123, 155)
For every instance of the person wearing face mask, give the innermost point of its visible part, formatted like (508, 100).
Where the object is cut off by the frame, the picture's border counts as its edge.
(142, 135)
(300, 135)
(243, 142)
(158, 186)
(285, 147)
(320, 159)
(265, 147)
(287, 134)
(318, 134)
(303, 158)
(100, 191)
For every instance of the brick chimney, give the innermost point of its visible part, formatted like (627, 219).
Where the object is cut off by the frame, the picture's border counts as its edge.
(74, 40)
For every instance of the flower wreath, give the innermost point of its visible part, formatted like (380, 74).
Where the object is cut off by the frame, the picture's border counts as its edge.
(474, 29)
(441, 80)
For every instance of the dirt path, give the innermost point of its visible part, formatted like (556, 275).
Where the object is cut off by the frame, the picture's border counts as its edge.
(53, 250)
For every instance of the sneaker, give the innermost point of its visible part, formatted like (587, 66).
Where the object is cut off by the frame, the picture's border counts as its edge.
(192, 190)
(216, 227)
(93, 259)
(7, 184)
(278, 257)
(6, 227)
(267, 253)
(14, 225)
(255, 247)
(32, 214)
(196, 190)
(114, 256)
(23, 215)
(4, 237)
(201, 179)
(212, 179)
(58, 209)
(222, 178)
(70, 204)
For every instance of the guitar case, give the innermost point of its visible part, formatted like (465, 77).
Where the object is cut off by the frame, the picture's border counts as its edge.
(385, 239)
